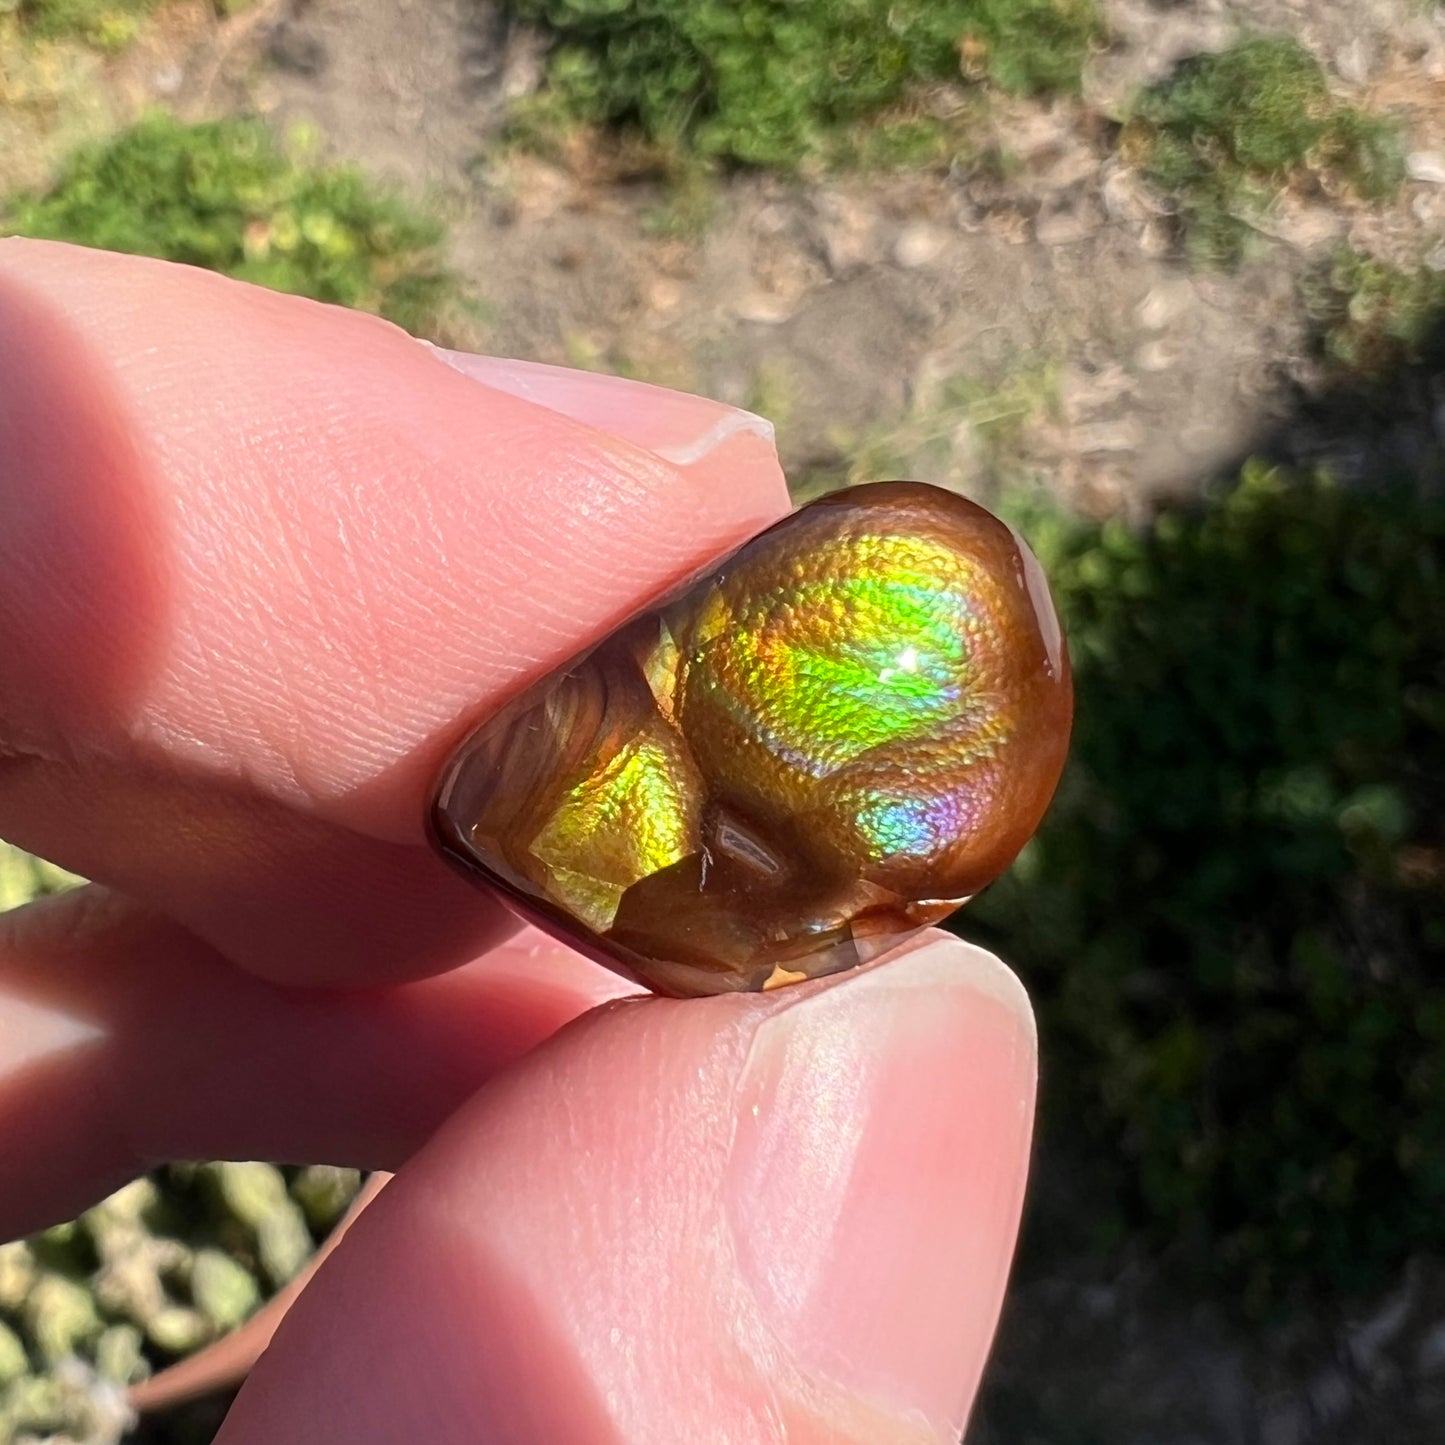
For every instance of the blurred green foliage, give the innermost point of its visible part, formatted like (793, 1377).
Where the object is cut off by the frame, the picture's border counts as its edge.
(1227, 132)
(159, 1269)
(224, 195)
(109, 25)
(23, 878)
(771, 83)
(1371, 318)
(1234, 917)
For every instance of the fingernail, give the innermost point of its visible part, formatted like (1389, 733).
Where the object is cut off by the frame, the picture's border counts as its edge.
(877, 1174)
(680, 428)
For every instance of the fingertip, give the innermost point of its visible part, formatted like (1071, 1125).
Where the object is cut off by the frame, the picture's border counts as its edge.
(937, 958)
(903, 1098)
(721, 444)
(775, 1219)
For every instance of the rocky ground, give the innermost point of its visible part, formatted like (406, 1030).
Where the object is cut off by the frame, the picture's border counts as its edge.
(843, 307)
(1047, 279)
(1030, 314)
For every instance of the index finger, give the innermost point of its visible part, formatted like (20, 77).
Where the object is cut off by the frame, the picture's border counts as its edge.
(259, 559)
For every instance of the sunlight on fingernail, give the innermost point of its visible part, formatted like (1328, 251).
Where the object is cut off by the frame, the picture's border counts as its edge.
(675, 425)
(730, 424)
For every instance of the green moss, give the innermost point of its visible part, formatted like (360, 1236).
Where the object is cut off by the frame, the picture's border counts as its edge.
(1233, 920)
(772, 83)
(1227, 132)
(61, 1317)
(155, 1271)
(1371, 318)
(225, 196)
(325, 1193)
(223, 1291)
(14, 1360)
(118, 1355)
(109, 25)
(23, 877)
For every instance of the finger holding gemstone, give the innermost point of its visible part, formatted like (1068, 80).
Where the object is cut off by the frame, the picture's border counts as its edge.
(827, 741)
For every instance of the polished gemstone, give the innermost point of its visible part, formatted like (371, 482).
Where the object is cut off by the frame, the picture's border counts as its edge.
(830, 739)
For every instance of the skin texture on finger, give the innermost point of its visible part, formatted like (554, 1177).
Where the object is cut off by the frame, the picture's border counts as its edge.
(759, 1219)
(273, 548)
(126, 1042)
(289, 895)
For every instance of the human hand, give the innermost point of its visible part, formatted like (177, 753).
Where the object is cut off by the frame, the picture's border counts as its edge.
(260, 562)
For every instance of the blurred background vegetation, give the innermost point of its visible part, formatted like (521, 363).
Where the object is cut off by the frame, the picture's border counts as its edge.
(228, 196)
(1233, 921)
(771, 84)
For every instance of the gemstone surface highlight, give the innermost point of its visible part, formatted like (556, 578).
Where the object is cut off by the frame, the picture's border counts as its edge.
(828, 740)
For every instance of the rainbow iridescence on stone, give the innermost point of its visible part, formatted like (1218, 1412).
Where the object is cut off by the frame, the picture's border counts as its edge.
(829, 740)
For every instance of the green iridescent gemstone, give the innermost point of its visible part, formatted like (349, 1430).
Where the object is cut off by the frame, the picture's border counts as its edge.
(830, 739)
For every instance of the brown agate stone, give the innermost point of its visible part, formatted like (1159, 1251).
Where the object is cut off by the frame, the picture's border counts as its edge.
(830, 739)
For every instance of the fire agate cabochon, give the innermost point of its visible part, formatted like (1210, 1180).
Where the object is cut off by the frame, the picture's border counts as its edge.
(828, 740)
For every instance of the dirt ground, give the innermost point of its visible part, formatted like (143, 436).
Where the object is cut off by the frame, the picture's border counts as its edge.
(846, 305)
(843, 306)
(856, 313)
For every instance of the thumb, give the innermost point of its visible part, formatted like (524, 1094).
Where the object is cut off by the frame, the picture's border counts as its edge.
(778, 1218)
